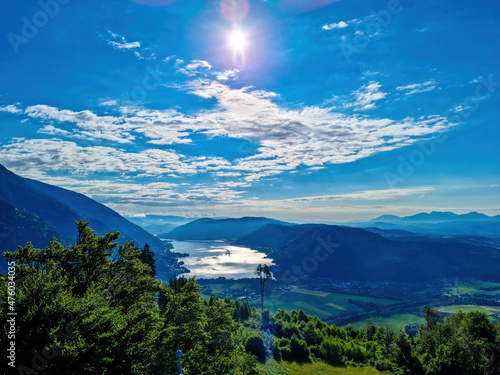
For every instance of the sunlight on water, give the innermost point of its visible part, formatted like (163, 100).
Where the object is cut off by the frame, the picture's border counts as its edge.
(212, 259)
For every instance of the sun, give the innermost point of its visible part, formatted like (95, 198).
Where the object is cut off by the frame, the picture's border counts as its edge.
(237, 40)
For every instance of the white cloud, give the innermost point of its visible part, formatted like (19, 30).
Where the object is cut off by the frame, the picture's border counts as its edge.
(366, 195)
(194, 67)
(338, 25)
(309, 136)
(142, 56)
(109, 103)
(32, 155)
(227, 75)
(119, 42)
(124, 45)
(367, 95)
(10, 109)
(416, 88)
(197, 64)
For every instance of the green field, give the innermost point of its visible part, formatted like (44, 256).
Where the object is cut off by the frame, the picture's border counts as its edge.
(317, 368)
(474, 287)
(219, 288)
(466, 308)
(322, 304)
(395, 322)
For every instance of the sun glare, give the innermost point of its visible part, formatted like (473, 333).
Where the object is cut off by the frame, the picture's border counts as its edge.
(237, 39)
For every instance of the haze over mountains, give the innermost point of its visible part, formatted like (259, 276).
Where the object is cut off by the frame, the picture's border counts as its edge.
(439, 224)
(158, 224)
(388, 248)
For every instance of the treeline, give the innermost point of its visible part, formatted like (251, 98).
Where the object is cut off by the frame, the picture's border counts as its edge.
(97, 308)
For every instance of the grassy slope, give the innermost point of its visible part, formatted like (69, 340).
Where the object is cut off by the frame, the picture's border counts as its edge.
(332, 304)
(317, 368)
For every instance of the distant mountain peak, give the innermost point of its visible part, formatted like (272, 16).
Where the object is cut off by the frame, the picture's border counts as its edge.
(386, 218)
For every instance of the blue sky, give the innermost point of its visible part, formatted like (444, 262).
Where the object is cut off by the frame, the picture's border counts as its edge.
(294, 109)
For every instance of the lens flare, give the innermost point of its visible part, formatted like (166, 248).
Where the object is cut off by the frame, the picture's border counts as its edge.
(234, 10)
(237, 40)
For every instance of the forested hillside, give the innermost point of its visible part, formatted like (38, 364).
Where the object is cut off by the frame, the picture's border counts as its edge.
(18, 224)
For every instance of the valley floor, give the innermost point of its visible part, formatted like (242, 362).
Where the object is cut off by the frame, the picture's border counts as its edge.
(393, 305)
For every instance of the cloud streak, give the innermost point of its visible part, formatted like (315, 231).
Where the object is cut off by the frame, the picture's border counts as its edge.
(309, 136)
(417, 88)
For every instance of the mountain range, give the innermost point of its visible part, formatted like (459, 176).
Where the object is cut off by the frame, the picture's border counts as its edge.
(388, 248)
(437, 217)
(219, 229)
(345, 253)
(438, 224)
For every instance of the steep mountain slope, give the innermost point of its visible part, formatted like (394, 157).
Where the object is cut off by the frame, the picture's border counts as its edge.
(61, 207)
(18, 192)
(345, 253)
(102, 219)
(218, 229)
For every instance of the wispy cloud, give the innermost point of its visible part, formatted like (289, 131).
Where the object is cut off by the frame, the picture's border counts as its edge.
(227, 75)
(366, 195)
(194, 67)
(124, 45)
(367, 96)
(416, 88)
(119, 42)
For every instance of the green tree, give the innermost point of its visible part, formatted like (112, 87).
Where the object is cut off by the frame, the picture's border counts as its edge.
(461, 344)
(89, 313)
(432, 317)
(255, 346)
(262, 271)
(245, 310)
(147, 256)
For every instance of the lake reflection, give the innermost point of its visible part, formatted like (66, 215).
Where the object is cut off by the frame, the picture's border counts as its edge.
(212, 259)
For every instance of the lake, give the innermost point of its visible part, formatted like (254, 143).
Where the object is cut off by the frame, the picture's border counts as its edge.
(213, 259)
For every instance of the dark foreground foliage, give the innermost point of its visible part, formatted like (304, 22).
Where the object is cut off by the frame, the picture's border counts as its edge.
(92, 309)
(97, 308)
